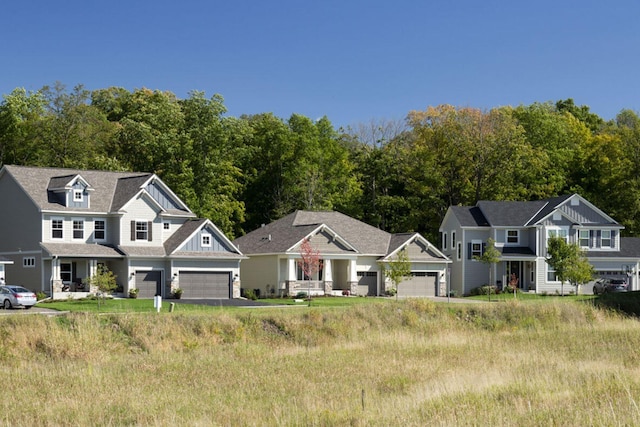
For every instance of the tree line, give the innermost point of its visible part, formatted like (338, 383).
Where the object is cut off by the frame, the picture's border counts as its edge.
(400, 176)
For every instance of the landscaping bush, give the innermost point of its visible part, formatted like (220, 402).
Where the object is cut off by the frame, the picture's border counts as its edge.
(484, 290)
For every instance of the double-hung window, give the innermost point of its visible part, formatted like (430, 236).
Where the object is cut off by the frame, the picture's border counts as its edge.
(583, 238)
(99, 229)
(476, 248)
(78, 229)
(562, 232)
(605, 239)
(57, 225)
(513, 237)
(142, 230)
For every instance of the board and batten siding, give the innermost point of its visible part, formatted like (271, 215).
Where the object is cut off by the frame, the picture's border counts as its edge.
(195, 243)
(162, 197)
(324, 242)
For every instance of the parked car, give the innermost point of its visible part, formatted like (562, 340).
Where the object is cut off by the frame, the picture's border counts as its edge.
(609, 285)
(16, 296)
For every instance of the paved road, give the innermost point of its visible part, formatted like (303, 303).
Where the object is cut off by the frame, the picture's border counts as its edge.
(34, 310)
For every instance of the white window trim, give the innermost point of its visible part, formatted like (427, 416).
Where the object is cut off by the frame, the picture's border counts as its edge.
(51, 220)
(610, 238)
(78, 195)
(203, 237)
(588, 245)
(444, 241)
(453, 240)
(104, 221)
(474, 253)
(558, 228)
(29, 262)
(146, 226)
(73, 228)
(459, 251)
(166, 226)
(506, 237)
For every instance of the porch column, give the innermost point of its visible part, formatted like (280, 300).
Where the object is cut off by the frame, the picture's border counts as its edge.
(56, 282)
(353, 277)
(328, 276)
(290, 280)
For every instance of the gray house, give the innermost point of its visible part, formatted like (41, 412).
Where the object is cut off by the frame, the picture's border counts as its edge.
(59, 225)
(521, 230)
(353, 256)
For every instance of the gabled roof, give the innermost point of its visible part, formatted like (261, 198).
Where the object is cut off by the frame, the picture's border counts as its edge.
(190, 228)
(283, 234)
(81, 250)
(513, 213)
(111, 190)
(402, 240)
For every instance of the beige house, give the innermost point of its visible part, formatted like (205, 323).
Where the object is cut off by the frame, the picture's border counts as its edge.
(353, 256)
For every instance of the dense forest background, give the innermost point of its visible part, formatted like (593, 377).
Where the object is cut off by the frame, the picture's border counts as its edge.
(401, 176)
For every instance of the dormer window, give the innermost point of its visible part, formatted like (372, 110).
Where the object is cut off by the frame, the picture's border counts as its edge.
(205, 240)
(78, 195)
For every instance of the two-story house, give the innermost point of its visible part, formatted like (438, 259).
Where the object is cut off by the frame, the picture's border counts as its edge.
(521, 230)
(58, 225)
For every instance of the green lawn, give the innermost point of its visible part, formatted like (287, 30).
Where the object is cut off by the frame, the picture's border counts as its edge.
(126, 305)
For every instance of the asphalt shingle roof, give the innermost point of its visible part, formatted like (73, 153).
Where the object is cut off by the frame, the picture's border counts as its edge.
(281, 235)
(109, 187)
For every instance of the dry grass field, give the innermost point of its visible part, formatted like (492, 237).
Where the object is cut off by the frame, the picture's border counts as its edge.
(406, 363)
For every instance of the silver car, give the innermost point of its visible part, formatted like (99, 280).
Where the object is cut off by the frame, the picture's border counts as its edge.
(16, 296)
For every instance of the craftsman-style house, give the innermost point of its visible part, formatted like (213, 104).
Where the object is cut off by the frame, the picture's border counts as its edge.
(353, 255)
(520, 231)
(60, 225)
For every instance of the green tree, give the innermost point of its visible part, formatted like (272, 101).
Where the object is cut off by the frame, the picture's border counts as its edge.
(397, 269)
(490, 256)
(580, 272)
(566, 259)
(21, 119)
(104, 280)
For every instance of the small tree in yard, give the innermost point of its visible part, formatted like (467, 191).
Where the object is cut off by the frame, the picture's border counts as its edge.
(580, 272)
(568, 261)
(398, 269)
(309, 262)
(490, 256)
(104, 280)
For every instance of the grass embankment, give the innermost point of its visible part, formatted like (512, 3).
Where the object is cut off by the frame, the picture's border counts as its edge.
(397, 363)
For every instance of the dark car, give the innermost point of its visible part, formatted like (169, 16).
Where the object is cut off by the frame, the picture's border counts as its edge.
(609, 285)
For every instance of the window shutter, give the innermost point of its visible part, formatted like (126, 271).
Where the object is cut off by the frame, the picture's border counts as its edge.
(133, 231)
(598, 239)
(469, 250)
(613, 238)
(149, 228)
(484, 248)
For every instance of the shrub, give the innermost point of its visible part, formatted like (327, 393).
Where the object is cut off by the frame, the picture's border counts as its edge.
(483, 290)
(177, 293)
(40, 295)
(250, 294)
(133, 293)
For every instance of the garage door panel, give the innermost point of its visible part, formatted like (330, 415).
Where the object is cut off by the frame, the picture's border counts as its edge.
(420, 284)
(198, 284)
(148, 283)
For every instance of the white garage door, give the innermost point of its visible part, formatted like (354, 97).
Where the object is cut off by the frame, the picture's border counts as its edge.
(420, 284)
(211, 285)
(148, 283)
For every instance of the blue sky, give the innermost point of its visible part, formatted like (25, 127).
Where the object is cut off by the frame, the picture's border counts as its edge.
(353, 61)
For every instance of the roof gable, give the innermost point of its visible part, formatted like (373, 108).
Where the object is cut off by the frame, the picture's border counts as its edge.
(187, 239)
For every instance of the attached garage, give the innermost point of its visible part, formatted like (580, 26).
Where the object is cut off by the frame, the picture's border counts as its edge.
(149, 283)
(205, 284)
(420, 284)
(367, 283)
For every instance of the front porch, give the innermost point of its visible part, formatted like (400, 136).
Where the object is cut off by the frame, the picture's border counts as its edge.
(337, 276)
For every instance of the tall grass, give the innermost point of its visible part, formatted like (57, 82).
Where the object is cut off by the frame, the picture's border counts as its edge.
(399, 363)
